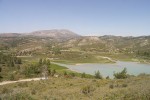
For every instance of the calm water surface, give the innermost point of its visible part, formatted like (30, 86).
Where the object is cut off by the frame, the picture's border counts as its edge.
(133, 68)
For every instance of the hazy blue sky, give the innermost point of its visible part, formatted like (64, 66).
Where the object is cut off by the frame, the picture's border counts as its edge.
(85, 17)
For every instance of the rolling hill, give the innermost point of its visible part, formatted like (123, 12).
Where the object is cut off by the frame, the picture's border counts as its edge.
(45, 41)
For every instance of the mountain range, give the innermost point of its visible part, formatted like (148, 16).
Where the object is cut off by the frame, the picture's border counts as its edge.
(61, 34)
(68, 40)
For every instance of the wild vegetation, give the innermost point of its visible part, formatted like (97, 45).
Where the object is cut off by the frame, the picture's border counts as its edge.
(79, 88)
(86, 49)
(121, 75)
(30, 56)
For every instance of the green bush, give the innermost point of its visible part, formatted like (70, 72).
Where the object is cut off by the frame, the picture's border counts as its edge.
(32, 70)
(98, 75)
(83, 75)
(121, 75)
(72, 74)
(65, 73)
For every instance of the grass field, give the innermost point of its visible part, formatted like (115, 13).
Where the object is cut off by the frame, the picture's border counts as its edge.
(134, 88)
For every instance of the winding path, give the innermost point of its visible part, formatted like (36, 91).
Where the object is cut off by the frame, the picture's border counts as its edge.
(23, 80)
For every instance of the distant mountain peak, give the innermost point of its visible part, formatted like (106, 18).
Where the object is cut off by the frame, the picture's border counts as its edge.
(55, 33)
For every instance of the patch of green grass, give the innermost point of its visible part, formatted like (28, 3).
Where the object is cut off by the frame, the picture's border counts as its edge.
(61, 69)
(57, 67)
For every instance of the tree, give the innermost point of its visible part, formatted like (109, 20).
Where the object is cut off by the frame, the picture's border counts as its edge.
(98, 75)
(1, 77)
(19, 61)
(48, 62)
(12, 77)
(45, 71)
(83, 75)
(44, 61)
(18, 67)
(65, 73)
(121, 75)
(53, 72)
(56, 50)
(72, 74)
(12, 64)
(49, 71)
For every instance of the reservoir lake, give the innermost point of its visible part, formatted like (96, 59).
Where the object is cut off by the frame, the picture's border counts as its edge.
(133, 68)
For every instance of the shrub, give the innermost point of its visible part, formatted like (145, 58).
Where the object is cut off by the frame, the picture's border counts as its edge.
(98, 75)
(1, 77)
(33, 92)
(32, 70)
(121, 75)
(107, 77)
(83, 75)
(65, 73)
(111, 86)
(49, 71)
(53, 72)
(87, 89)
(124, 85)
(40, 62)
(72, 74)
(18, 67)
(12, 77)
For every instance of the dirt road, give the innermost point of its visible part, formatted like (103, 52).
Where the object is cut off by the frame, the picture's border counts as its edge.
(23, 80)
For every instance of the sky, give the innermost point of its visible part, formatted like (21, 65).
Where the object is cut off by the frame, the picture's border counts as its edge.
(84, 17)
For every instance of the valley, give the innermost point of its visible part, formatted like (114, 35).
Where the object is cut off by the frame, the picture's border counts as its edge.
(66, 61)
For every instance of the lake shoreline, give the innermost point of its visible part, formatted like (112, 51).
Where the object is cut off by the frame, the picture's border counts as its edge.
(133, 68)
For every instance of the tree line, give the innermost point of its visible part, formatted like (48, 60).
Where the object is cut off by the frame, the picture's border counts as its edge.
(9, 60)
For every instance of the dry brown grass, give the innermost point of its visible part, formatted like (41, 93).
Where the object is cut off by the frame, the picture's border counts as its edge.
(72, 89)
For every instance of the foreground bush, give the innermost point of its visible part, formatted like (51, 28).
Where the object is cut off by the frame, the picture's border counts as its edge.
(87, 89)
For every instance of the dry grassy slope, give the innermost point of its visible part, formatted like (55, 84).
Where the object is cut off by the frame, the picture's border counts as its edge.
(113, 44)
(136, 88)
(109, 43)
